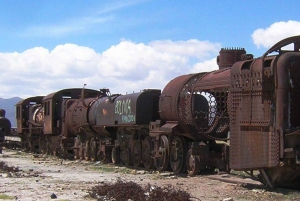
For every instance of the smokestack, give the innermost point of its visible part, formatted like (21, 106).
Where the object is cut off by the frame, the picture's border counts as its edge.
(228, 56)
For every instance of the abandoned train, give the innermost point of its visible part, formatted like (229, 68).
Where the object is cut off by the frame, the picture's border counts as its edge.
(244, 116)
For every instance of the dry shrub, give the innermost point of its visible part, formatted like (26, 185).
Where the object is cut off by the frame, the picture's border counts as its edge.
(124, 191)
(6, 168)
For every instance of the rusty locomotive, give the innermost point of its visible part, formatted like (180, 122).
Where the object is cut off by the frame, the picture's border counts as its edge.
(244, 116)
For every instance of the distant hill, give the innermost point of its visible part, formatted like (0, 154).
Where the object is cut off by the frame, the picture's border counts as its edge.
(9, 106)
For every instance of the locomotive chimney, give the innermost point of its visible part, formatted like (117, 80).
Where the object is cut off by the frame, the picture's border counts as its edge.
(2, 113)
(228, 56)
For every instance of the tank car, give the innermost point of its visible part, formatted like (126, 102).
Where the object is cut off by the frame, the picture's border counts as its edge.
(5, 128)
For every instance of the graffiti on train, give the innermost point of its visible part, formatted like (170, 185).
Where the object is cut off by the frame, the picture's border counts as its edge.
(123, 108)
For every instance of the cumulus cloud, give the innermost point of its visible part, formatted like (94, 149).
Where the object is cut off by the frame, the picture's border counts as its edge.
(122, 68)
(266, 37)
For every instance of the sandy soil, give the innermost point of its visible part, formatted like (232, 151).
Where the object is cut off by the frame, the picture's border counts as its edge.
(41, 177)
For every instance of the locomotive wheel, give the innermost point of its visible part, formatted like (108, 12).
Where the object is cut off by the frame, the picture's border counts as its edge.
(87, 151)
(162, 162)
(93, 150)
(115, 156)
(127, 157)
(192, 163)
(136, 154)
(178, 153)
(147, 148)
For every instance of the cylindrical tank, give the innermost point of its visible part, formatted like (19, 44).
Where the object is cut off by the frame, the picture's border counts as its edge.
(198, 103)
(79, 116)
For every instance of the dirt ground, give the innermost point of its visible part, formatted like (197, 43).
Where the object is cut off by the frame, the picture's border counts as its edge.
(44, 177)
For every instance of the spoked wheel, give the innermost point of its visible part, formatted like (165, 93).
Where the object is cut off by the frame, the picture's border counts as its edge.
(115, 156)
(162, 162)
(127, 157)
(136, 154)
(147, 148)
(93, 150)
(178, 153)
(87, 151)
(192, 163)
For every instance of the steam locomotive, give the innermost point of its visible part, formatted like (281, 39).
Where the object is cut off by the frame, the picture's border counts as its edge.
(244, 116)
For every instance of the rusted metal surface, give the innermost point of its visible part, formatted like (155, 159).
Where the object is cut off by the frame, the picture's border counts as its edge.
(25, 110)
(228, 56)
(250, 104)
(199, 103)
(53, 108)
(264, 115)
(253, 143)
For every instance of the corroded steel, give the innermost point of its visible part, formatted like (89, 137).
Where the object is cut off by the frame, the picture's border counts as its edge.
(251, 105)
(28, 114)
(264, 114)
(228, 56)
(53, 107)
(198, 102)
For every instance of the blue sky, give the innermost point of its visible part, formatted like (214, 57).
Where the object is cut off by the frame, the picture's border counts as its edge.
(128, 45)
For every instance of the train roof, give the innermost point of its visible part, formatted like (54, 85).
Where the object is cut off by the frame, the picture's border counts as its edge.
(36, 99)
(72, 93)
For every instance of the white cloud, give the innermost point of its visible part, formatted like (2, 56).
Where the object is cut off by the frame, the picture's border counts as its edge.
(205, 66)
(277, 31)
(122, 68)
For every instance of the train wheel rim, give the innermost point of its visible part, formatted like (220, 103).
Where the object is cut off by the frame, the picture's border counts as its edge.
(178, 153)
(136, 154)
(192, 164)
(147, 148)
(162, 162)
(127, 157)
